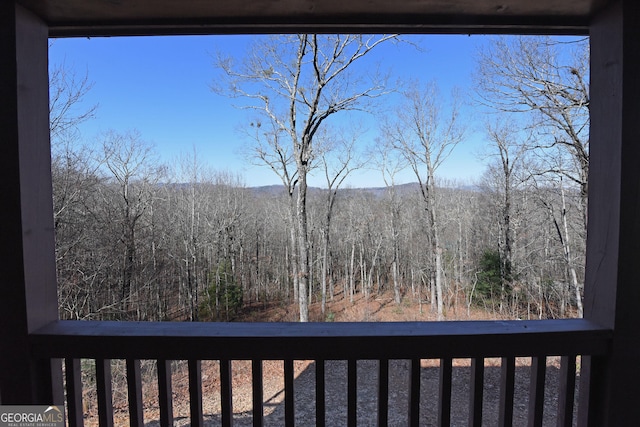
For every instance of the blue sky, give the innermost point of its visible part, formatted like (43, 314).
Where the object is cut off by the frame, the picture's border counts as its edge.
(160, 86)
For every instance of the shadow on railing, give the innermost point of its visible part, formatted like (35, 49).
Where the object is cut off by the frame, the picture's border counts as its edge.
(364, 373)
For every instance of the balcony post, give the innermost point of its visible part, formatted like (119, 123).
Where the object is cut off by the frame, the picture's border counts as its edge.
(28, 294)
(612, 283)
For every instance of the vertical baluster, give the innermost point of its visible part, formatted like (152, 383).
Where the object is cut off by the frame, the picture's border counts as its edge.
(226, 393)
(383, 392)
(476, 392)
(536, 391)
(165, 400)
(134, 390)
(566, 390)
(320, 394)
(414, 393)
(195, 393)
(507, 390)
(73, 373)
(258, 394)
(444, 407)
(289, 413)
(352, 392)
(589, 390)
(54, 373)
(103, 386)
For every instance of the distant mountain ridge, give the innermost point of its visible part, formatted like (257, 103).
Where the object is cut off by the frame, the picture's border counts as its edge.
(401, 189)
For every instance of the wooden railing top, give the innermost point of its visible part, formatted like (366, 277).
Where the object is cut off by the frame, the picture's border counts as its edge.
(200, 340)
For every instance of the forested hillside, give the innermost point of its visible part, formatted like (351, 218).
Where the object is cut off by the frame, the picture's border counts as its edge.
(137, 239)
(132, 245)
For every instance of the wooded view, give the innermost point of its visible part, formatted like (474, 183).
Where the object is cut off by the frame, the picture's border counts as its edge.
(140, 240)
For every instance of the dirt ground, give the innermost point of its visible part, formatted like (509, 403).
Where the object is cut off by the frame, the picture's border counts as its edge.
(371, 309)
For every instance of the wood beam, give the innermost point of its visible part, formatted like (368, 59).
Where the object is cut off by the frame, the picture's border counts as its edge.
(28, 294)
(98, 17)
(612, 288)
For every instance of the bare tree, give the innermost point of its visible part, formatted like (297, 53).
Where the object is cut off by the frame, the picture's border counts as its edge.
(540, 77)
(390, 164)
(67, 91)
(339, 158)
(272, 148)
(425, 134)
(69, 160)
(559, 216)
(193, 178)
(297, 82)
(74, 183)
(458, 206)
(505, 173)
(133, 170)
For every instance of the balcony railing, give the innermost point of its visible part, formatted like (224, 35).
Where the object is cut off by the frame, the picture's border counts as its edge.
(320, 342)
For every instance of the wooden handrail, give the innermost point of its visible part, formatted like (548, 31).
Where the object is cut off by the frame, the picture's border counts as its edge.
(278, 341)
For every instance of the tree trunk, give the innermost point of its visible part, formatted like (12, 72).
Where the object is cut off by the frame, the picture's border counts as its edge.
(438, 275)
(352, 272)
(294, 252)
(567, 256)
(396, 252)
(396, 285)
(325, 266)
(303, 248)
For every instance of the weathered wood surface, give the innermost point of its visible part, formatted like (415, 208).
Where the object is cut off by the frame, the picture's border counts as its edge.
(151, 340)
(226, 393)
(94, 17)
(195, 392)
(75, 412)
(383, 392)
(444, 405)
(536, 391)
(258, 392)
(320, 394)
(566, 391)
(476, 392)
(134, 393)
(507, 391)
(104, 391)
(165, 393)
(414, 393)
(28, 298)
(611, 292)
